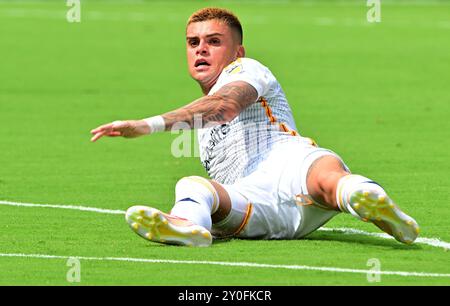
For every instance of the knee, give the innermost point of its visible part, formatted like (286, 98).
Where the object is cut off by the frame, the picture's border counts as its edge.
(327, 181)
(323, 179)
(325, 171)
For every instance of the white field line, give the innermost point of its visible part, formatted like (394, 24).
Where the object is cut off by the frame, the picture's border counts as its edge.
(230, 264)
(72, 207)
(434, 242)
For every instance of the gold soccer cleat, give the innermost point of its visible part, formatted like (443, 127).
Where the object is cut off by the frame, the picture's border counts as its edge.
(381, 210)
(154, 225)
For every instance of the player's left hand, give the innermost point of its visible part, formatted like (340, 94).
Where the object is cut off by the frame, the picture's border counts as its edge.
(127, 129)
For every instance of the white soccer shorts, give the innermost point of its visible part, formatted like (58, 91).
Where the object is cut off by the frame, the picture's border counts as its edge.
(279, 205)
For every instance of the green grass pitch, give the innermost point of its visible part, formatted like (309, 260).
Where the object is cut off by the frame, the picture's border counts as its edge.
(377, 94)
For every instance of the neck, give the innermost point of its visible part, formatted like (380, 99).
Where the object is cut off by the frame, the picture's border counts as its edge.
(206, 87)
(205, 90)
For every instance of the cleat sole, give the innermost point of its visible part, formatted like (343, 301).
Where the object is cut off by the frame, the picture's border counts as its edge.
(381, 210)
(156, 226)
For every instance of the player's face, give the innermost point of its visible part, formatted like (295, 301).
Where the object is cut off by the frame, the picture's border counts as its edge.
(211, 46)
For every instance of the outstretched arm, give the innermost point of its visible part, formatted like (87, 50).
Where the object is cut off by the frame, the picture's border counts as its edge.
(228, 102)
(221, 107)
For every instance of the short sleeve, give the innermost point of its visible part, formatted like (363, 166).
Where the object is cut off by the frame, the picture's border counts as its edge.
(247, 70)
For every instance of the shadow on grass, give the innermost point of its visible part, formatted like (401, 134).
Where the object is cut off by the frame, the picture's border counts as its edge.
(362, 240)
(354, 239)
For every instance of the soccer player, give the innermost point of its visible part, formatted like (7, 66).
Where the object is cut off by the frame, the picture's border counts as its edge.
(266, 181)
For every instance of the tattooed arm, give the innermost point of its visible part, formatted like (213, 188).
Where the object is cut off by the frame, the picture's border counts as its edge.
(223, 106)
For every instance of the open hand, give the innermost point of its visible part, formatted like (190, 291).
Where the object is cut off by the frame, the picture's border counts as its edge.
(127, 129)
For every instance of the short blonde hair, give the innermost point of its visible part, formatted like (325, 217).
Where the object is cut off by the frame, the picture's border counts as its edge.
(213, 13)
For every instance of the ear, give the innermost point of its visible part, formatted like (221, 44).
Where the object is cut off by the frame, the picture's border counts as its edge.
(241, 51)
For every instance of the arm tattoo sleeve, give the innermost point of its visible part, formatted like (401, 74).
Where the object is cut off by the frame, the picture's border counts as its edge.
(219, 108)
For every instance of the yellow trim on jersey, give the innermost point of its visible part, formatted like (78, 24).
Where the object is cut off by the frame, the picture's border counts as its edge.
(313, 142)
(273, 119)
(237, 64)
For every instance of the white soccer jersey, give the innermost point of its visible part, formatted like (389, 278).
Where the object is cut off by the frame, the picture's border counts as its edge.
(233, 150)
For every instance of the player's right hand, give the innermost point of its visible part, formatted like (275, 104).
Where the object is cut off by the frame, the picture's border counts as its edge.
(127, 129)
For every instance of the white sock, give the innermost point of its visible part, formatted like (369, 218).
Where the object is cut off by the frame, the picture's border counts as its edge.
(196, 200)
(347, 185)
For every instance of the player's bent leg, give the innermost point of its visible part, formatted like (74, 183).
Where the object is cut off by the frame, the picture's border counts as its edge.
(368, 201)
(330, 184)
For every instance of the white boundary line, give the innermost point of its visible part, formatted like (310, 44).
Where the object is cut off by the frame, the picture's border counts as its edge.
(217, 263)
(434, 242)
(230, 264)
(71, 207)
